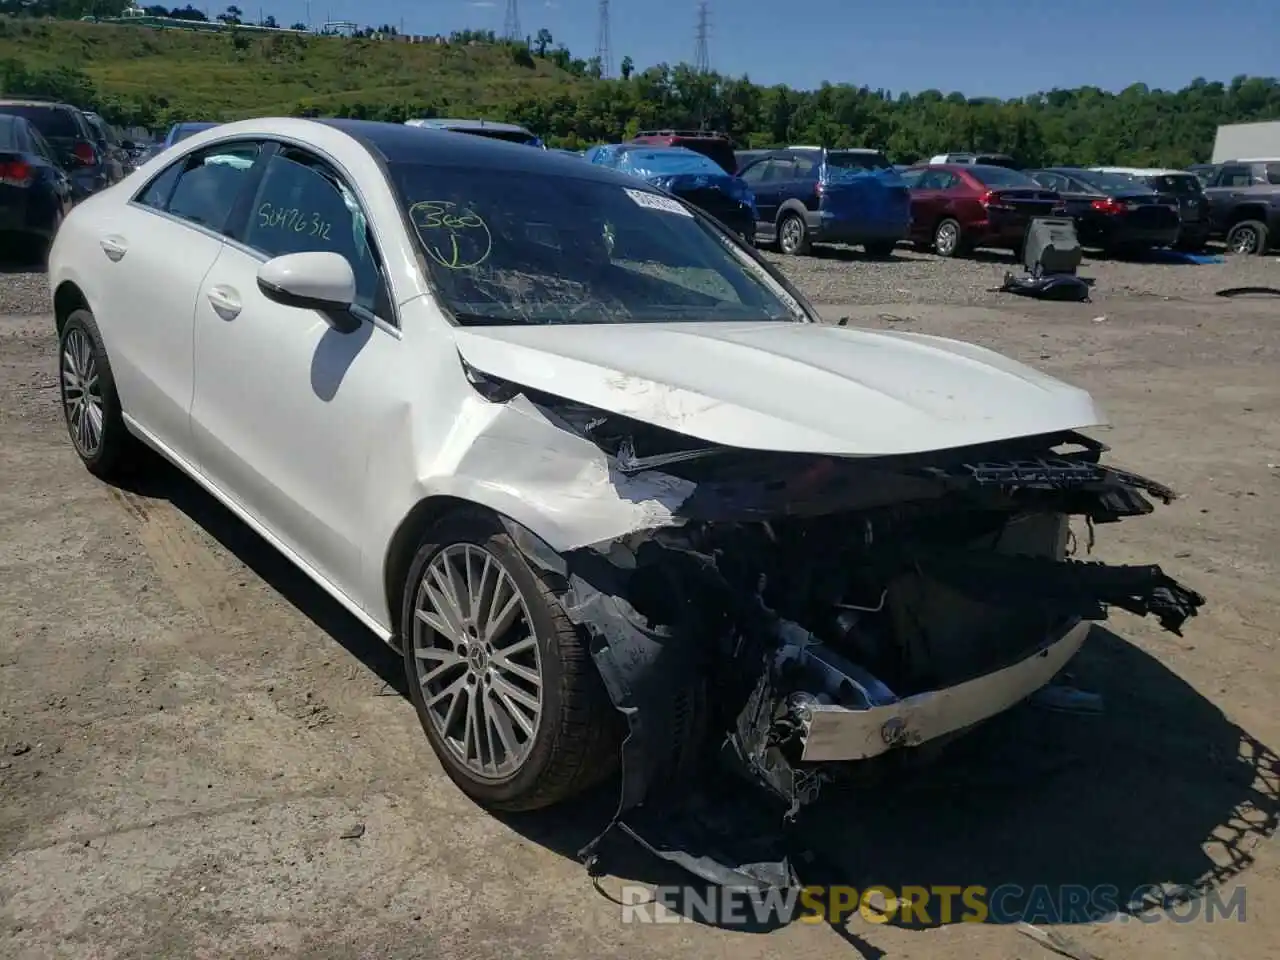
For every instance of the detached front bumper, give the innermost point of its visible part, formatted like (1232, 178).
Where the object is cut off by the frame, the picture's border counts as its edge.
(836, 733)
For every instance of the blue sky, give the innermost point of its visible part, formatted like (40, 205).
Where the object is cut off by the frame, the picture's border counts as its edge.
(988, 48)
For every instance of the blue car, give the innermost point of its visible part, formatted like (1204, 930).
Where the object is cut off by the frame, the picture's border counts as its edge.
(692, 176)
(808, 195)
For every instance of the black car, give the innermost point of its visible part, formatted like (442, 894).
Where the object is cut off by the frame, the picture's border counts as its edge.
(35, 192)
(70, 134)
(1193, 205)
(1114, 212)
(114, 151)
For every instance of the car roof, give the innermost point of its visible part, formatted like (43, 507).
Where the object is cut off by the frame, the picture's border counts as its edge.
(1142, 171)
(402, 143)
(36, 102)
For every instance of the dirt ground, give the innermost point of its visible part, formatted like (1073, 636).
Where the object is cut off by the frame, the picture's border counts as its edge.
(202, 756)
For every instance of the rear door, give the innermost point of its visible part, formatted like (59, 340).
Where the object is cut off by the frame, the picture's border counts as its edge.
(928, 199)
(155, 252)
(863, 188)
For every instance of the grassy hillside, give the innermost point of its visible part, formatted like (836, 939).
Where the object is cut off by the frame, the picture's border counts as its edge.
(228, 76)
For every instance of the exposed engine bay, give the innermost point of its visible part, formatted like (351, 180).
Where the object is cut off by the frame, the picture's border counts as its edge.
(804, 613)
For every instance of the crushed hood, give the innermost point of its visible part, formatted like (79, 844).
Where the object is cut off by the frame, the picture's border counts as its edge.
(786, 387)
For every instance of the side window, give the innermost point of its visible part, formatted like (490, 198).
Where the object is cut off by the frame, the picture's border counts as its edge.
(780, 168)
(755, 173)
(1273, 173)
(806, 168)
(210, 181)
(156, 193)
(947, 181)
(1235, 176)
(1050, 181)
(302, 205)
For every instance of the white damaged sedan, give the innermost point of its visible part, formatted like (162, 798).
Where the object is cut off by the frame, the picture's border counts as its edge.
(588, 461)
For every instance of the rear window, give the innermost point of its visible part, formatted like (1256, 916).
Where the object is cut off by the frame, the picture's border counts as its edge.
(1113, 183)
(51, 121)
(11, 137)
(514, 247)
(857, 161)
(1183, 184)
(1002, 177)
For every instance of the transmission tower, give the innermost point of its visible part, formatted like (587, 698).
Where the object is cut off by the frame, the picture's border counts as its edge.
(701, 58)
(511, 22)
(602, 42)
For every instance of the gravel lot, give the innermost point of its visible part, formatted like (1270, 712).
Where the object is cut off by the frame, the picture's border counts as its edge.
(202, 756)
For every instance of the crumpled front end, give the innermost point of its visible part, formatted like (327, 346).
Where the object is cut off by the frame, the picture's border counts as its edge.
(795, 615)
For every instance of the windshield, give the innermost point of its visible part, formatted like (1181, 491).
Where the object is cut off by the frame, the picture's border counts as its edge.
(1183, 184)
(1002, 177)
(510, 136)
(51, 121)
(857, 161)
(181, 131)
(512, 246)
(1111, 183)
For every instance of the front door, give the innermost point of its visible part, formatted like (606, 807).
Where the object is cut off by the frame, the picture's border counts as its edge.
(285, 406)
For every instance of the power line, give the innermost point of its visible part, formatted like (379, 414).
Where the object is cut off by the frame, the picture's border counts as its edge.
(701, 57)
(602, 42)
(511, 22)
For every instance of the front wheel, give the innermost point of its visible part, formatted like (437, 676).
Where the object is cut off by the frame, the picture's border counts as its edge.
(503, 683)
(1249, 237)
(90, 403)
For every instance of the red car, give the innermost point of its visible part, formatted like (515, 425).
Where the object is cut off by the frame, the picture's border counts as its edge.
(956, 207)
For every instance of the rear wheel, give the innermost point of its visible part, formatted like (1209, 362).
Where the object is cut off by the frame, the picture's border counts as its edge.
(948, 239)
(90, 403)
(503, 683)
(793, 235)
(1248, 237)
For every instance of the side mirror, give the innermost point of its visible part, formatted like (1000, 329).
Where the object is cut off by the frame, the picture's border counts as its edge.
(317, 280)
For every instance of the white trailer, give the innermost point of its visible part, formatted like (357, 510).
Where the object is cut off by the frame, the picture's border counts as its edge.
(1241, 141)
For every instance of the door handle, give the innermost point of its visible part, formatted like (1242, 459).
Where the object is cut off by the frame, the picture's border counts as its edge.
(114, 247)
(225, 301)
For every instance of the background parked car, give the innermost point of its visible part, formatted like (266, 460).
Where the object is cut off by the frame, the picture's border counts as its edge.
(744, 158)
(1244, 204)
(810, 195)
(956, 207)
(35, 191)
(717, 146)
(493, 129)
(179, 132)
(115, 159)
(1193, 205)
(694, 177)
(1113, 211)
(68, 132)
(985, 159)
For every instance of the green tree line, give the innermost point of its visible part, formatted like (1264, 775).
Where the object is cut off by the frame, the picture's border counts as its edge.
(563, 98)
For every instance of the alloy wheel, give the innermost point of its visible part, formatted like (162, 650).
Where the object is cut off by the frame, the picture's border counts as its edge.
(792, 234)
(946, 239)
(1244, 240)
(477, 661)
(81, 393)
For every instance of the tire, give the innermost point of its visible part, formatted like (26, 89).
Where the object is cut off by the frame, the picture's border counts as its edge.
(881, 250)
(575, 738)
(1248, 237)
(793, 235)
(86, 385)
(948, 238)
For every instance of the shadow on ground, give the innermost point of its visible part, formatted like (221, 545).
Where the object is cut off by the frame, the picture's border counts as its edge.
(1160, 797)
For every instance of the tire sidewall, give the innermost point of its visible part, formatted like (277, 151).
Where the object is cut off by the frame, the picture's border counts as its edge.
(486, 531)
(110, 449)
(782, 224)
